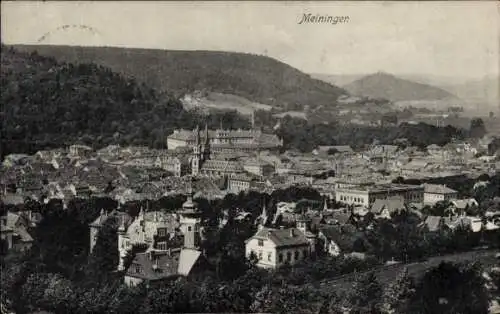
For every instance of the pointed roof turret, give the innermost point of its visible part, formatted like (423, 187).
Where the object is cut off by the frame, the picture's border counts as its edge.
(197, 135)
(264, 210)
(190, 206)
(207, 140)
(122, 227)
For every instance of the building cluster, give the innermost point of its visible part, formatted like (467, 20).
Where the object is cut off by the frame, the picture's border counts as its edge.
(235, 161)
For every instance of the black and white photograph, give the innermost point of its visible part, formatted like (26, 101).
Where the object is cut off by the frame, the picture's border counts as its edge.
(309, 157)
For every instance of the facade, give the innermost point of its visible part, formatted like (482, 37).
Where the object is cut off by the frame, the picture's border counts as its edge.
(220, 168)
(163, 259)
(278, 247)
(178, 166)
(434, 193)
(104, 217)
(237, 183)
(222, 140)
(258, 167)
(366, 195)
(14, 233)
(80, 151)
(153, 230)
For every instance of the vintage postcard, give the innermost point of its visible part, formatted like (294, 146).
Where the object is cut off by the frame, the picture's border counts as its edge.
(250, 157)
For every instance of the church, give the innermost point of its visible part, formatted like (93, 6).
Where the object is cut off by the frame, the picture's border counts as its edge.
(205, 161)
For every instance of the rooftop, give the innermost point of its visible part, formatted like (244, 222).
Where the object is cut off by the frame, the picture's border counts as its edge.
(283, 237)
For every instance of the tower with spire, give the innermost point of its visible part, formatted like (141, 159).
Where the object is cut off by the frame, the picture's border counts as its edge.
(206, 145)
(196, 160)
(263, 216)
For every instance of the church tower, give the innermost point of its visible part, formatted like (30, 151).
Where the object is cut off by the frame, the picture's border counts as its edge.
(191, 222)
(206, 145)
(122, 247)
(196, 160)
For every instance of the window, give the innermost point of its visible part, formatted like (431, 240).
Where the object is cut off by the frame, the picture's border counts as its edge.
(296, 255)
(260, 255)
(189, 228)
(280, 257)
(305, 253)
(269, 256)
(261, 243)
(288, 256)
(162, 232)
(137, 268)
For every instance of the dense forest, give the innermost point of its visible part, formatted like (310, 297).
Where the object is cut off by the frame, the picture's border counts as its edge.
(50, 104)
(297, 133)
(257, 78)
(47, 104)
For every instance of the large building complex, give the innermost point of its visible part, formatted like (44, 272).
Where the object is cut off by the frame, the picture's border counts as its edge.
(366, 195)
(221, 140)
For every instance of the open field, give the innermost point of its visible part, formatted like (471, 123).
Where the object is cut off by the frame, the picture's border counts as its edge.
(220, 101)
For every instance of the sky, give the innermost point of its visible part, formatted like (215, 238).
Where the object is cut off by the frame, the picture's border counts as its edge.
(444, 39)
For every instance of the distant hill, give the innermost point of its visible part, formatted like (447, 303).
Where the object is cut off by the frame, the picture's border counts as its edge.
(477, 94)
(387, 86)
(257, 78)
(485, 91)
(337, 79)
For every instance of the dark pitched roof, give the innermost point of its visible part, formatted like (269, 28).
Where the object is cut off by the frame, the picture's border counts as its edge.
(344, 237)
(155, 265)
(158, 265)
(438, 189)
(392, 204)
(283, 237)
(340, 217)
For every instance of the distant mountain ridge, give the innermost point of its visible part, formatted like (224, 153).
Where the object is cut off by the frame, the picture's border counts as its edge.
(388, 86)
(337, 79)
(484, 91)
(257, 78)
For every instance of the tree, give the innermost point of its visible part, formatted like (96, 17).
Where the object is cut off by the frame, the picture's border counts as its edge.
(366, 295)
(104, 257)
(451, 289)
(477, 128)
(494, 146)
(332, 151)
(398, 295)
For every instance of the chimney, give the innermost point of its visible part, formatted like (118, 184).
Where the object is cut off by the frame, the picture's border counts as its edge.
(292, 232)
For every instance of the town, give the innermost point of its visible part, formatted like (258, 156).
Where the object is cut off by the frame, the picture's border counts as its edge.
(252, 163)
(352, 194)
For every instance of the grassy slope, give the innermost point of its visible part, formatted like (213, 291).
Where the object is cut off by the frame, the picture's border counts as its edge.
(388, 274)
